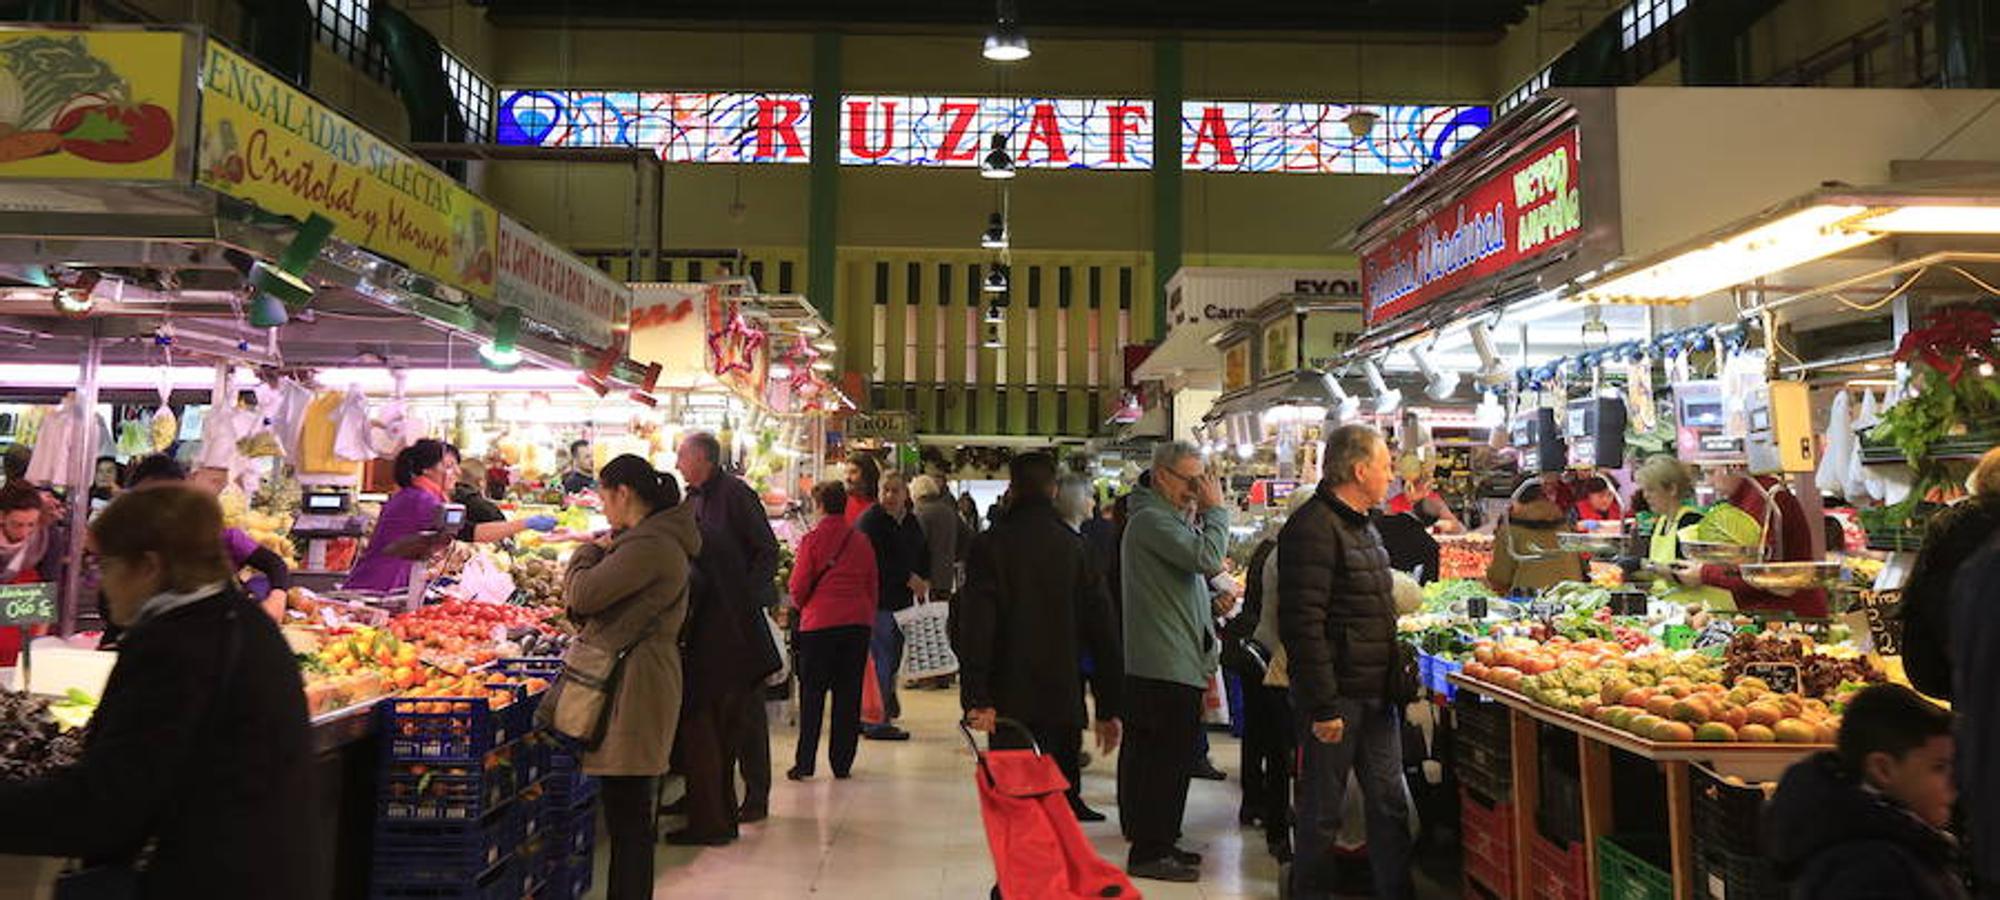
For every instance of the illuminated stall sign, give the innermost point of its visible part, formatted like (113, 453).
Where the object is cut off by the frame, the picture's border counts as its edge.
(1527, 210)
(1102, 134)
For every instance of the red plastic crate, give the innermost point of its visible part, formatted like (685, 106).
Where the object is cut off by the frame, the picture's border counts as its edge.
(1557, 872)
(1486, 834)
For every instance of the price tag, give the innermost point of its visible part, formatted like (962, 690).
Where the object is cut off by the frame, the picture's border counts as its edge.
(1545, 609)
(1885, 630)
(1475, 607)
(1782, 677)
(27, 604)
(1628, 603)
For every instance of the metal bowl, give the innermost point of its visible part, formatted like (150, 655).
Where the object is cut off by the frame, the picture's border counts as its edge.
(1721, 554)
(1605, 544)
(1790, 577)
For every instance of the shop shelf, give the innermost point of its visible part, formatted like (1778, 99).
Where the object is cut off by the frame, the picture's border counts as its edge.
(424, 852)
(1723, 874)
(423, 729)
(446, 790)
(1625, 870)
(1486, 833)
(1726, 815)
(504, 882)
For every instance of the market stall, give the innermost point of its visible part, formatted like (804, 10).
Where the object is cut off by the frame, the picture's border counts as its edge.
(285, 313)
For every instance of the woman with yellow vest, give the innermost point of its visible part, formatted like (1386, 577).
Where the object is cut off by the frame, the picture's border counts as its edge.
(1668, 486)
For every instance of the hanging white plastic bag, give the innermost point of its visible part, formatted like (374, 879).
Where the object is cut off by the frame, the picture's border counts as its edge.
(1839, 450)
(483, 581)
(351, 428)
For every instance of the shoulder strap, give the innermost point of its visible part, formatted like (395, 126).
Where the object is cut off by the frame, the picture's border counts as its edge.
(831, 561)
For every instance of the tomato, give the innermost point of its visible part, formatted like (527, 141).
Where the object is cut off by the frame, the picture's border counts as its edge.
(116, 133)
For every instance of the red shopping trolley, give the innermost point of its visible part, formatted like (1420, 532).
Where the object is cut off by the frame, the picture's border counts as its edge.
(1039, 851)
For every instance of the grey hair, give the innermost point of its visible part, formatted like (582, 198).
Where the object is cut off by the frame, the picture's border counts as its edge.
(925, 487)
(1165, 455)
(1073, 496)
(1349, 446)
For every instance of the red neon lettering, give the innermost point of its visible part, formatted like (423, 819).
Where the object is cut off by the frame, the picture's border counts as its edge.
(1122, 126)
(1214, 132)
(857, 129)
(954, 133)
(1044, 130)
(773, 125)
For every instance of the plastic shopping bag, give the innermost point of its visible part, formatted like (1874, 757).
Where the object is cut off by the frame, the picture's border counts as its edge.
(926, 643)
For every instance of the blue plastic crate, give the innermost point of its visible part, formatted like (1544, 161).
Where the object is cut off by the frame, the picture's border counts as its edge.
(566, 784)
(503, 882)
(533, 760)
(571, 883)
(448, 790)
(426, 852)
(543, 667)
(577, 829)
(422, 729)
(1436, 672)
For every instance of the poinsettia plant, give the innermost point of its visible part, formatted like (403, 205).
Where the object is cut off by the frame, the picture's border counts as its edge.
(1951, 341)
(1952, 344)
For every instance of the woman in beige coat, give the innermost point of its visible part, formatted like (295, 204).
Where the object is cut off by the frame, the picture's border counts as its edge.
(631, 590)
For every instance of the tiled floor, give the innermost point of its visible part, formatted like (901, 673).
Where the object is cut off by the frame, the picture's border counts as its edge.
(907, 826)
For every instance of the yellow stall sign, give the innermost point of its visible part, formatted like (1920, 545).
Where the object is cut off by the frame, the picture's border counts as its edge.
(266, 142)
(91, 104)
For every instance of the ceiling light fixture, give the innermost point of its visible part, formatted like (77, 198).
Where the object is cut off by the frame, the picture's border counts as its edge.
(1006, 43)
(1349, 406)
(1387, 399)
(1801, 237)
(996, 280)
(998, 164)
(503, 352)
(1439, 384)
(1491, 370)
(989, 334)
(281, 286)
(995, 314)
(995, 237)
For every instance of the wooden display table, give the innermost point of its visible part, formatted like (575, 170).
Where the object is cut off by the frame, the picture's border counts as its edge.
(1594, 743)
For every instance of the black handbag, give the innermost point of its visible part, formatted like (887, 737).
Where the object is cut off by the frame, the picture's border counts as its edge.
(1405, 681)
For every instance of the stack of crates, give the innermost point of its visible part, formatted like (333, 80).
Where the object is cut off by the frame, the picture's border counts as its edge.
(1728, 824)
(450, 821)
(1481, 757)
(563, 839)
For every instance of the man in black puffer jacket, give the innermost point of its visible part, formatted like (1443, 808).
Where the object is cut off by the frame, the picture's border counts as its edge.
(1337, 617)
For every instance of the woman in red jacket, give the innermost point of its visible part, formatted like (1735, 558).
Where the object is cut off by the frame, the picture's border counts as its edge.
(833, 586)
(1790, 541)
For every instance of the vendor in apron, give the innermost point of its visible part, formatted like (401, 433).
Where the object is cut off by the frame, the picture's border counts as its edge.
(1668, 486)
(1740, 518)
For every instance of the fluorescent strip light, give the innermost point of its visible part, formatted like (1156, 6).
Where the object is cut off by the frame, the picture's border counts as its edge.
(1934, 220)
(1803, 236)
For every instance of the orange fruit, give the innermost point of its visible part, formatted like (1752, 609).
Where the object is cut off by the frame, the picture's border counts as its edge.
(1795, 731)
(1715, 731)
(1755, 734)
(1673, 732)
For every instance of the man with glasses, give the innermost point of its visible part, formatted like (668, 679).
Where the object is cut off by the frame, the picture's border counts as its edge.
(1170, 652)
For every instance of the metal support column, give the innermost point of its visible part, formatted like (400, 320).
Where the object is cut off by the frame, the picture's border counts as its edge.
(823, 215)
(82, 469)
(1168, 92)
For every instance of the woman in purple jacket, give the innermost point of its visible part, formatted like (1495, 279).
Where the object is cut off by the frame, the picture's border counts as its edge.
(424, 470)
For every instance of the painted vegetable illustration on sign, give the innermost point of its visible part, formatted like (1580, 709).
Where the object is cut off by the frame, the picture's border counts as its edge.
(57, 97)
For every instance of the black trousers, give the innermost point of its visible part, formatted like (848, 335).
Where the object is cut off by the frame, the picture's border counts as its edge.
(831, 660)
(750, 743)
(702, 755)
(1161, 721)
(1269, 749)
(1063, 743)
(629, 806)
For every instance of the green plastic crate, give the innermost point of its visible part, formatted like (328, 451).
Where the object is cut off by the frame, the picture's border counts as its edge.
(1625, 875)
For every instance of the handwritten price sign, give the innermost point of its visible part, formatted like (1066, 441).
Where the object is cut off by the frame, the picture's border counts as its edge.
(27, 604)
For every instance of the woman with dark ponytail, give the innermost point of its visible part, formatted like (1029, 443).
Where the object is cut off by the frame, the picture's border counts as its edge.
(425, 470)
(630, 590)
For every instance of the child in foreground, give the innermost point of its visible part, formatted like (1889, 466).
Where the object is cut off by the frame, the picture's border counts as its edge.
(1868, 820)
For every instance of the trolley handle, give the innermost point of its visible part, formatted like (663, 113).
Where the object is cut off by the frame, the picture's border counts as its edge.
(1002, 721)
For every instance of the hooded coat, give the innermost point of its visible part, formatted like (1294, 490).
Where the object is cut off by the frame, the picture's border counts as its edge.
(1832, 839)
(637, 591)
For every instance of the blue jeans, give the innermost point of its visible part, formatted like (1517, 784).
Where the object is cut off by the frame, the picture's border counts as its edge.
(1372, 748)
(885, 646)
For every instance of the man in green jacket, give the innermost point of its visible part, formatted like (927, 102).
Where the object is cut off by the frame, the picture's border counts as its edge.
(1170, 651)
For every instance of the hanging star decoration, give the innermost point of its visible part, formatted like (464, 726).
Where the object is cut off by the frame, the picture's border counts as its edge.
(734, 347)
